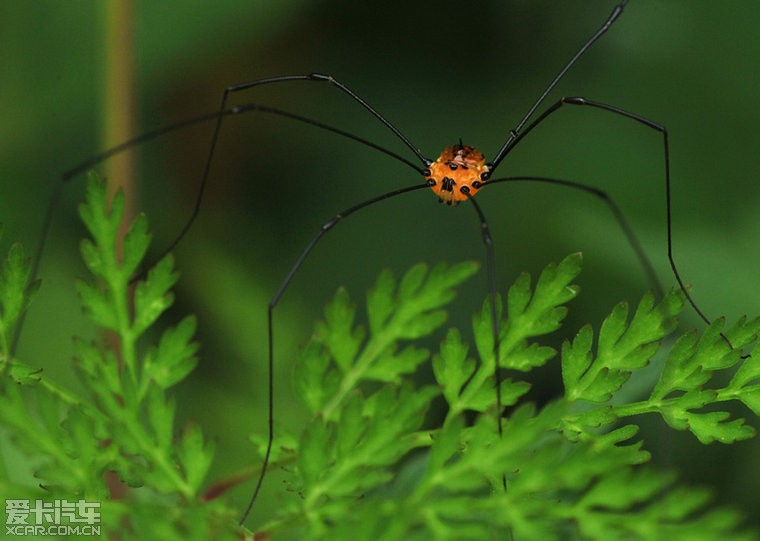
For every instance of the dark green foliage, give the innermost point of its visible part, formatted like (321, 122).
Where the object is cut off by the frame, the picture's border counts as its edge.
(376, 461)
(125, 421)
(571, 469)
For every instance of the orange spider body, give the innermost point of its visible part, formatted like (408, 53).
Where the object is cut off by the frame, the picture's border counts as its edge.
(457, 166)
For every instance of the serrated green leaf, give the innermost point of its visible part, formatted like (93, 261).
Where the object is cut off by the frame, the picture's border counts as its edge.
(13, 283)
(23, 374)
(553, 287)
(338, 332)
(393, 412)
(519, 294)
(284, 445)
(598, 417)
(622, 348)
(102, 221)
(417, 311)
(445, 444)
(152, 296)
(195, 455)
(452, 367)
(675, 373)
(750, 396)
(485, 398)
(174, 358)
(748, 372)
(692, 361)
(314, 383)
(92, 258)
(352, 425)
(314, 454)
(374, 439)
(576, 359)
(613, 328)
(457, 492)
(418, 298)
(422, 325)
(482, 328)
(98, 306)
(391, 366)
(380, 301)
(713, 351)
(15, 295)
(75, 439)
(713, 426)
(639, 487)
(525, 357)
(135, 245)
(540, 313)
(743, 332)
(92, 460)
(101, 373)
(530, 314)
(412, 281)
(617, 436)
(680, 502)
(587, 424)
(161, 413)
(604, 384)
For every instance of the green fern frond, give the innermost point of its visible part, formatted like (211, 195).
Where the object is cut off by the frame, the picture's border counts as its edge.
(570, 470)
(386, 454)
(125, 421)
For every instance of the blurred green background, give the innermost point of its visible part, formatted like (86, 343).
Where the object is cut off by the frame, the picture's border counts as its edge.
(440, 72)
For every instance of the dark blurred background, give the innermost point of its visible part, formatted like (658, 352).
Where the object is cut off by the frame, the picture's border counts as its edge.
(454, 70)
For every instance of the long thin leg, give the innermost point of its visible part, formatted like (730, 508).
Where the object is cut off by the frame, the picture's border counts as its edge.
(491, 268)
(321, 77)
(515, 132)
(666, 148)
(46, 225)
(273, 303)
(241, 109)
(154, 134)
(633, 240)
(498, 375)
(312, 77)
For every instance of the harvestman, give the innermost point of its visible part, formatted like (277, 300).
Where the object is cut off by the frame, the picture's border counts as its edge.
(455, 176)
